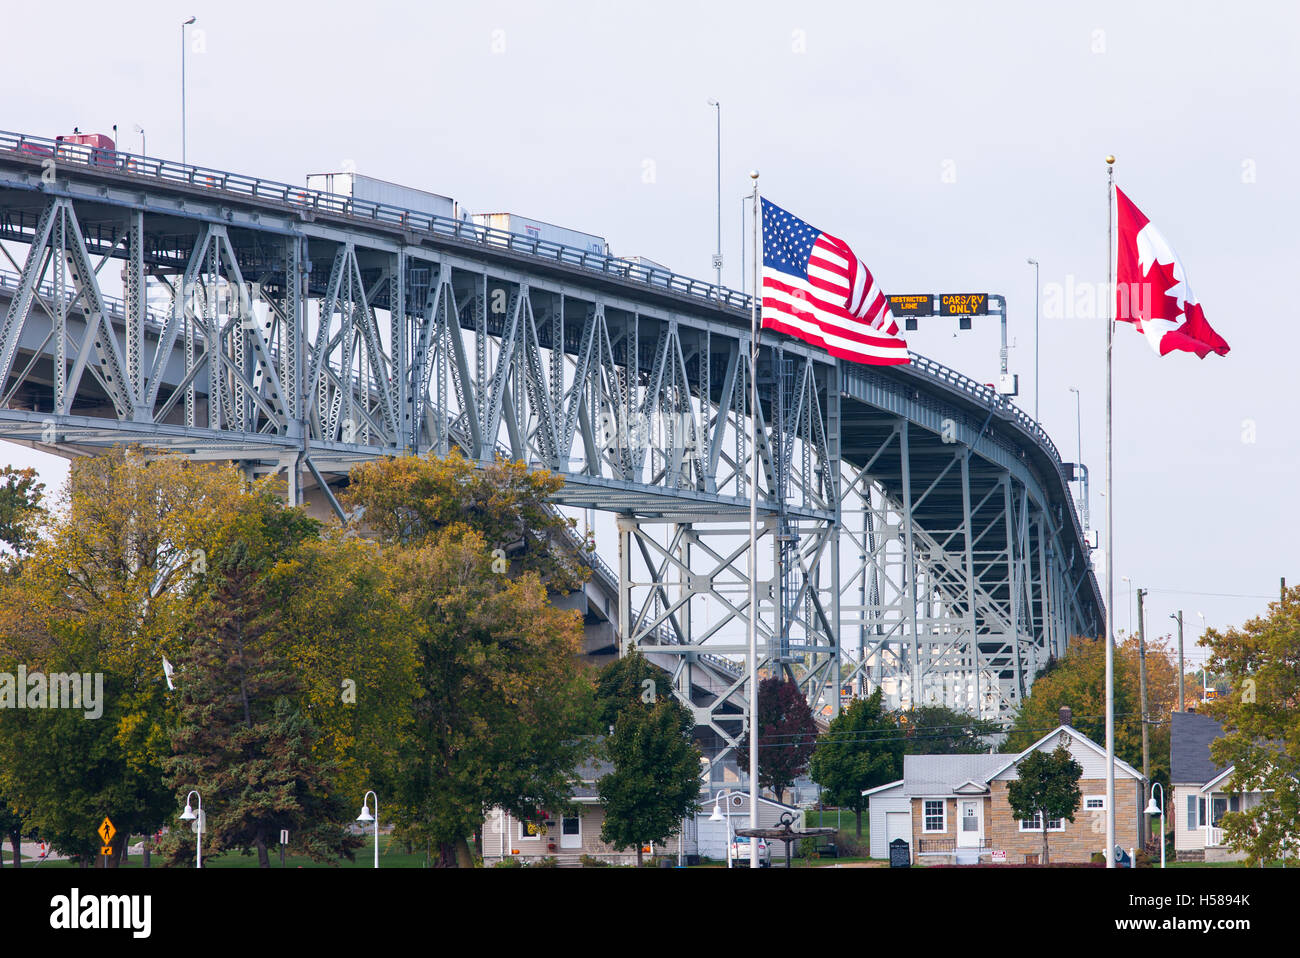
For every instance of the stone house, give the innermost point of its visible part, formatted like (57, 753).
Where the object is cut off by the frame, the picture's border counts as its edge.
(953, 809)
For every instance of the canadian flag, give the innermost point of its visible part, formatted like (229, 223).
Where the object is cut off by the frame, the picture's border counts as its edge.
(1151, 289)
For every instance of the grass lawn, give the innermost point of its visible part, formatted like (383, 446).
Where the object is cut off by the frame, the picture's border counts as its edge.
(389, 857)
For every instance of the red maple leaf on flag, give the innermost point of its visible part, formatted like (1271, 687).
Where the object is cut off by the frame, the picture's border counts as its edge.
(1153, 300)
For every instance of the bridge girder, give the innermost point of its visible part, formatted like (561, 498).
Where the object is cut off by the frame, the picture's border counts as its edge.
(914, 534)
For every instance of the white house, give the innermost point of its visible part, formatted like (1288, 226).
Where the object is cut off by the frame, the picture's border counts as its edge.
(1201, 790)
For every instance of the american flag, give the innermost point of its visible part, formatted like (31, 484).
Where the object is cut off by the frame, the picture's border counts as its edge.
(816, 289)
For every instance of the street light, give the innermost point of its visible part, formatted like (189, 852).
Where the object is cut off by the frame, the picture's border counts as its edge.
(1034, 263)
(1130, 602)
(183, 26)
(365, 816)
(717, 257)
(717, 817)
(143, 143)
(1154, 809)
(189, 815)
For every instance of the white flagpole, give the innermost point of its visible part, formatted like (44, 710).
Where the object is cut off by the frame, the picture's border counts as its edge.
(753, 539)
(1110, 522)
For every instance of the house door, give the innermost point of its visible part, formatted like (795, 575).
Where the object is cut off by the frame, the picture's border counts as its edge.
(898, 825)
(970, 830)
(571, 832)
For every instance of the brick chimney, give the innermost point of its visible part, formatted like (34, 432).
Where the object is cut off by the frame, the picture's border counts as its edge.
(1067, 716)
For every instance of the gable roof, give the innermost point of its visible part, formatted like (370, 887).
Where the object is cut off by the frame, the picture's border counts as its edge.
(1075, 736)
(944, 774)
(880, 788)
(1190, 735)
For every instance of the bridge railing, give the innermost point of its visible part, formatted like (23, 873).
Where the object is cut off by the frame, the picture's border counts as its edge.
(302, 197)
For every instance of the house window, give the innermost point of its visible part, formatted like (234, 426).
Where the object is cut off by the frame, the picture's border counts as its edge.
(1035, 824)
(1094, 803)
(1192, 821)
(1217, 807)
(531, 831)
(936, 816)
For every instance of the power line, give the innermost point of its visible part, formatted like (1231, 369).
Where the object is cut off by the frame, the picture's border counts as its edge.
(1216, 595)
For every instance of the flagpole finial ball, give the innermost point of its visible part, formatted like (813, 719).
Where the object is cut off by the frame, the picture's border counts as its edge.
(1110, 159)
(753, 174)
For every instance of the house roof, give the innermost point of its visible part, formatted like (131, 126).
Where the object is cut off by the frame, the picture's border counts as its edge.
(944, 774)
(588, 773)
(1076, 736)
(1190, 735)
(881, 788)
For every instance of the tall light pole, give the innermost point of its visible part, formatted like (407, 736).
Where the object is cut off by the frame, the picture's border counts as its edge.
(1034, 263)
(144, 146)
(365, 816)
(1078, 434)
(183, 26)
(717, 256)
(190, 815)
(753, 540)
(1125, 578)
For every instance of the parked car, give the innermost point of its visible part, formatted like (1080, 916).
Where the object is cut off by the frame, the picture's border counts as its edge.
(739, 852)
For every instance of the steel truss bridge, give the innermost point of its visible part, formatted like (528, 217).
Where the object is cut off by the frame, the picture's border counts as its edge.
(918, 533)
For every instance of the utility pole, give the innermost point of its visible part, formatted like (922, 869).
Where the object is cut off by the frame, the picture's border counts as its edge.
(1182, 701)
(1142, 691)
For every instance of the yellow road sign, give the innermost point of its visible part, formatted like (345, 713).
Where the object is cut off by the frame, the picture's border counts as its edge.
(106, 850)
(107, 831)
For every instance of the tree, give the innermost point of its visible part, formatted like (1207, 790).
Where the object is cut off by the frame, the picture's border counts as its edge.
(500, 713)
(1047, 787)
(936, 730)
(21, 511)
(1261, 726)
(861, 749)
(787, 734)
(501, 708)
(410, 500)
(102, 593)
(21, 514)
(1078, 680)
(655, 781)
(243, 737)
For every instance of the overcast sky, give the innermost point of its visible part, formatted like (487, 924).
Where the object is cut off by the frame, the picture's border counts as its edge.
(946, 142)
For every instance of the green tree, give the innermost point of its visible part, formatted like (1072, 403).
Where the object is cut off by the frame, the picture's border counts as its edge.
(1047, 785)
(500, 710)
(655, 781)
(501, 706)
(787, 734)
(861, 749)
(21, 514)
(1260, 713)
(243, 738)
(936, 730)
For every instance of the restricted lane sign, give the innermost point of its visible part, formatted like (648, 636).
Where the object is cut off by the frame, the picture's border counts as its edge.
(912, 304)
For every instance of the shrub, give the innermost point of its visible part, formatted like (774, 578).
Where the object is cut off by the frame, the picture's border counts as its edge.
(509, 863)
(591, 861)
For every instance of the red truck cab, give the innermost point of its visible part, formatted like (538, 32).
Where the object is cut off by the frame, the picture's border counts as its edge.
(97, 149)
